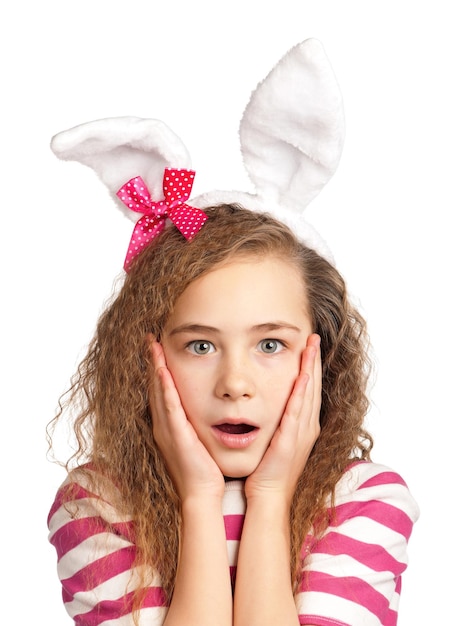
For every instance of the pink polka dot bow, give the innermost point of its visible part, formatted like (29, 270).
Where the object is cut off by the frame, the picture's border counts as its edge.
(177, 185)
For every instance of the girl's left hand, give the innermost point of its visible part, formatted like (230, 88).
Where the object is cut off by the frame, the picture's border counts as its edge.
(298, 430)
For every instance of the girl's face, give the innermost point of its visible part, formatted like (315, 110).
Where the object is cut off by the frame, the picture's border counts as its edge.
(233, 345)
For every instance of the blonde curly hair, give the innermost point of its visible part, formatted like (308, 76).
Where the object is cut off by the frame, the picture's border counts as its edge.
(113, 424)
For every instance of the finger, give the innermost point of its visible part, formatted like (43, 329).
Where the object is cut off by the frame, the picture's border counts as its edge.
(156, 362)
(311, 355)
(156, 351)
(163, 384)
(296, 399)
(159, 390)
(166, 398)
(171, 398)
(317, 374)
(309, 365)
(306, 394)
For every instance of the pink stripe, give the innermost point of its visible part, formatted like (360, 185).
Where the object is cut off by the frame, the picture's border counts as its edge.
(385, 514)
(233, 526)
(55, 507)
(99, 571)
(391, 618)
(114, 609)
(398, 586)
(384, 478)
(67, 597)
(71, 493)
(351, 589)
(68, 493)
(373, 556)
(76, 531)
(233, 575)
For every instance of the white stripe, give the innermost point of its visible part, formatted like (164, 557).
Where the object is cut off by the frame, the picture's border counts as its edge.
(344, 566)
(89, 551)
(341, 609)
(234, 502)
(393, 494)
(111, 589)
(148, 617)
(85, 508)
(232, 550)
(368, 531)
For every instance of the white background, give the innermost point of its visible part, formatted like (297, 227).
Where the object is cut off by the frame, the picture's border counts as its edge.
(388, 215)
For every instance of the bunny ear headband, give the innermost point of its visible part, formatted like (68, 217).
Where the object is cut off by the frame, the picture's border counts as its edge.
(291, 137)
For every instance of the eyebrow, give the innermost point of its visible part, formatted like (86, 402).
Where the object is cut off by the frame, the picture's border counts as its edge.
(201, 328)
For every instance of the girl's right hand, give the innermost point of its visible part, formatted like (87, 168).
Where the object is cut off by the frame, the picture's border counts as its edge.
(193, 470)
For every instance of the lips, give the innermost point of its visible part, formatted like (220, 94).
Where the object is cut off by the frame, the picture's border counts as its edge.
(235, 434)
(235, 429)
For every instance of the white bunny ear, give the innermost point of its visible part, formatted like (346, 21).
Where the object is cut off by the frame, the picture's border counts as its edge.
(119, 148)
(292, 130)
(291, 136)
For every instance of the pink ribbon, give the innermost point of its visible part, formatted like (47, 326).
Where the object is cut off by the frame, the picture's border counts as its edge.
(177, 185)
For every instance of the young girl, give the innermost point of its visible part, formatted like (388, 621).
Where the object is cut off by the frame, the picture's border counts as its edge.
(223, 471)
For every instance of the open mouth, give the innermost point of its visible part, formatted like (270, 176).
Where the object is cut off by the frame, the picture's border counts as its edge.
(236, 429)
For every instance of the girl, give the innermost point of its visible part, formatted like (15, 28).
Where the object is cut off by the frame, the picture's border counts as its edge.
(223, 471)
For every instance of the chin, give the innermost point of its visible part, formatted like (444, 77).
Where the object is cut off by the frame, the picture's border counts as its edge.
(232, 477)
(237, 473)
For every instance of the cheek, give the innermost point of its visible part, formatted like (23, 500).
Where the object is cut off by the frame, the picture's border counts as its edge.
(184, 380)
(189, 373)
(174, 362)
(279, 385)
(285, 371)
(188, 384)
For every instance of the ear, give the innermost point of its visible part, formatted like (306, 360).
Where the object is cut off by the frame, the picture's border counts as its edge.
(119, 148)
(292, 130)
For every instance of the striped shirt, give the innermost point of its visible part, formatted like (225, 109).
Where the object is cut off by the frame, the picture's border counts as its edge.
(352, 575)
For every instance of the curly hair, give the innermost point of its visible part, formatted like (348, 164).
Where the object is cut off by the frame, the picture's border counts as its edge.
(113, 424)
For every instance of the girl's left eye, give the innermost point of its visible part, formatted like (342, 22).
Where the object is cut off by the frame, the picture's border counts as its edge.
(270, 346)
(200, 347)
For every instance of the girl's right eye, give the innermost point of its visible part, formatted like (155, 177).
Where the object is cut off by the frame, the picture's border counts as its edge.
(200, 347)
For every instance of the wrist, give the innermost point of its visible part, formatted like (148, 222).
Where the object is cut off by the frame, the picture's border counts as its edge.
(268, 496)
(196, 503)
(269, 505)
(267, 524)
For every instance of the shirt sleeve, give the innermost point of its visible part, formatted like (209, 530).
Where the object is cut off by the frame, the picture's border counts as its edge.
(95, 560)
(352, 575)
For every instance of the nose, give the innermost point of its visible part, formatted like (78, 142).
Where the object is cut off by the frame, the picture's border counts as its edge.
(235, 378)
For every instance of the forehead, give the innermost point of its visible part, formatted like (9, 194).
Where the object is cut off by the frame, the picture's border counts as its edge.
(248, 288)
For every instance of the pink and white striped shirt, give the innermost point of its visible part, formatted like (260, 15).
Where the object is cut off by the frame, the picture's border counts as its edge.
(352, 576)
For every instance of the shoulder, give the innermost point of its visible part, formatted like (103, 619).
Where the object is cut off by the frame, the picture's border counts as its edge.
(352, 573)
(96, 552)
(85, 494)
(376, 491)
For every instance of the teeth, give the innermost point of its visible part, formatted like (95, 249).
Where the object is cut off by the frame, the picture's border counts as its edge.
(236, 429)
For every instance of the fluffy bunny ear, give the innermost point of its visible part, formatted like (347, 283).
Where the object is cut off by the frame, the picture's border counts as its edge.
(120, 148)
(291, 136)
(292, 130)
